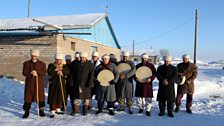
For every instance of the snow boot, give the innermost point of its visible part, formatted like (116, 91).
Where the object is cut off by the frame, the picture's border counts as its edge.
(26, 114)
(52, 114)
(170, 114)
(85, 109)
(161, 113)
(189, 110)
(177, 109)
(111, 112)
(75, 110)
(140, 111)
(99, 111)
(59, 112)
(41, 113)
(148, 113)
(130, 110)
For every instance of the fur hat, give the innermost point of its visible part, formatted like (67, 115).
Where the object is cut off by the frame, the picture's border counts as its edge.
(186, 56)
(35, 52)
(112, 56)
(125, 53)
(83, 54)
(105, 56)
(95, 54)
(167, 58)
(59, 56)
(144, 55)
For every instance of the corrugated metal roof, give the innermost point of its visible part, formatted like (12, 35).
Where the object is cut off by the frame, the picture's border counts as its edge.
(77, 21)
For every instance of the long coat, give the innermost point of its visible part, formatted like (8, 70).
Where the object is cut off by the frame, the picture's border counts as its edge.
(82, 74)
(166, 92)
(145, 89)
(30, 84)
(124, 87)
(54, 93)
(108, 93)
(190, 71)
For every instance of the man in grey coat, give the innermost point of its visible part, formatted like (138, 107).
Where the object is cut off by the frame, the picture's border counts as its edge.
(106, 93)
(124, 87)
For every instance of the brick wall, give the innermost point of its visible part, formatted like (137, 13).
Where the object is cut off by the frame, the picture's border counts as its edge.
(14, 50)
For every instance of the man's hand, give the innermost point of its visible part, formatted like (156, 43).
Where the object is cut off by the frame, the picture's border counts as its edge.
(122, 76)
(34, 73)
(148, 80)
(112, 82)
(165, 82)
(60, 73)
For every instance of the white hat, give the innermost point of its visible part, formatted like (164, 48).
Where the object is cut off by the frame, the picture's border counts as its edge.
(68, 57)
(186, 56)
(83, 54)
(35, 52)
(125, 53)
(59, 56)
(144, 55)
(105, 56)
(167, 58)
(95, 54)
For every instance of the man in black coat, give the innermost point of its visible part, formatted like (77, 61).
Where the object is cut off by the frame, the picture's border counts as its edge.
(166, 74)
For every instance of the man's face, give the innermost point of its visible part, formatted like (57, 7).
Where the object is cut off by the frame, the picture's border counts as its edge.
(95, 58)
(125, 58)
(105, 60)
(77, 58)
(167, 62)
(58, 61)
(83, 59)
(144, 60)
(68, 61)
(186, 60)
(34, 58)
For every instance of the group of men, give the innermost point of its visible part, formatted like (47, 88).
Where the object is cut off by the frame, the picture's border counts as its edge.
(78, 79)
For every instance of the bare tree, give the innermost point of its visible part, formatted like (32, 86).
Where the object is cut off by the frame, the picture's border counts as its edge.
(164, 52)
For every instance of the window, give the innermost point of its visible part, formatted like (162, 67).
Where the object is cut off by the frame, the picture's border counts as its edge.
(73, 46)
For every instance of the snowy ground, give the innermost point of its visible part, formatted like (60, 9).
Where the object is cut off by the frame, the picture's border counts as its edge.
(208, 107)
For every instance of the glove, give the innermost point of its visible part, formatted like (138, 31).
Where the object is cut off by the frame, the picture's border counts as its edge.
(112, 82)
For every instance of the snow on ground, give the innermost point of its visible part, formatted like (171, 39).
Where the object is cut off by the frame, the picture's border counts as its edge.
(208, 107)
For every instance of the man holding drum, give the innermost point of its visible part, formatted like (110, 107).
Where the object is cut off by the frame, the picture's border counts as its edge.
(166, 74)
(190, 71)
(106, 75)
(125, 83)
(145, 74)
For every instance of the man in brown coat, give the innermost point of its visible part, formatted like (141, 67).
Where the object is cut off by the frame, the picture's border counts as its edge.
(190, 71)
(34, 69)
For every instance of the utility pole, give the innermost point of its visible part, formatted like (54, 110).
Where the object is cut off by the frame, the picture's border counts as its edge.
(28, 8)
(195, 36)
(133, 51)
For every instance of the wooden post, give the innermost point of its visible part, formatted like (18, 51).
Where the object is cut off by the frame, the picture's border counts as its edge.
(133, 51)
(195, 36)
(28, 8)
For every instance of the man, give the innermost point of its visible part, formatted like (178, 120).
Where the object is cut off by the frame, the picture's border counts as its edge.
(125, 85)
(166, 74)
(82, 74)
(77, 56)
(106, 93)
(58, 73)
(190, 71)
(95, 61)
(33, 70)
(113, 59)
(144, 91)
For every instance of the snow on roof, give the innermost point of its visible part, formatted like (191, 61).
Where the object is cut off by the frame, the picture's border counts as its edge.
(77, 21)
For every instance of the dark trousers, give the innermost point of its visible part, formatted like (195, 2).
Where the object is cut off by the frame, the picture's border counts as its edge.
(188, 101)
(162, 106)
(69, 90)
(27, 106)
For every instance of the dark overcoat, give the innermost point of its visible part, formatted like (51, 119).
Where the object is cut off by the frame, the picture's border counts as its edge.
(82, 74)
(30, 94)
(166, 92)
(54, 92)
(145, 89)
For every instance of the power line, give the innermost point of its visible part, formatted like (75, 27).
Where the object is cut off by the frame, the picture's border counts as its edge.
(160, 35)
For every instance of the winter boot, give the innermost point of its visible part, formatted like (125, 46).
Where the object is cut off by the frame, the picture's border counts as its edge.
(41, 113)
(148, 113)
(76, 110)
(121, 108)
(161, 113)
(177, 109)
(140, 111)
(130, 110)
(59, 112)
(189, 110)
(85, 109)
(26, 114)
(111, 112)
(52, 114)
(99, 111)
(170, 114)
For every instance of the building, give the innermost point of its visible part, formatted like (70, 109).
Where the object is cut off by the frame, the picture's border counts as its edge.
(66, 34)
